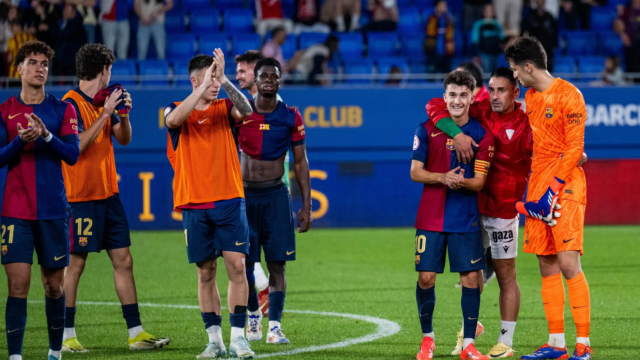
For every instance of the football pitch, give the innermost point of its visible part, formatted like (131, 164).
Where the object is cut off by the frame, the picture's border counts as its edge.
(365, 272)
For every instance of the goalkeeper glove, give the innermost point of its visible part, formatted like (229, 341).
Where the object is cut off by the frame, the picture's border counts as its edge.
(545, 208)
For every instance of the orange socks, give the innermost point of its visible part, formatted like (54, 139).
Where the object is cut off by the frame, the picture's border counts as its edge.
(553, 300)
(580, 304)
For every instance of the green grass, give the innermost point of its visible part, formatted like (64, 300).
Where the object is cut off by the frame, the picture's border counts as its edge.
(359, 271)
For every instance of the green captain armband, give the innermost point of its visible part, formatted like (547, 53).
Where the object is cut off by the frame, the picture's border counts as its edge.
(448, 127)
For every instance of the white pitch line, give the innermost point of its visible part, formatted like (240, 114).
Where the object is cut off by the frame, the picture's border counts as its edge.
(385, 327)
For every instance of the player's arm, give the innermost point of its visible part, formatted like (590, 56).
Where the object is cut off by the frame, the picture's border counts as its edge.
(68, 145)
(481, 164)
(10, 149)
(180, 113)
(439, 115)
(419, 174)
(574, 118)
(301, 165)
(241, 107)
(120, 125)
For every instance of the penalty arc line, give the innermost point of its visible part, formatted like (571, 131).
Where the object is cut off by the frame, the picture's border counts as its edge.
(385, 327)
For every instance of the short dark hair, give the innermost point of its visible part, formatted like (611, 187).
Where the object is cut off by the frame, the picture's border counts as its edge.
(527, 50)
(474, 69)
(506, 73)
(200, 62)
(34, 47)
(268, 61)
(250, 57)
(92, 59)
(277, 30)
(460, 78)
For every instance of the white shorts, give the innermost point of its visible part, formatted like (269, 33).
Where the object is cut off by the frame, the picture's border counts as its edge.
(501, 235)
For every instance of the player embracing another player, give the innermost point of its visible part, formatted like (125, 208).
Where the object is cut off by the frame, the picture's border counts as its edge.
(557, 115)
(208, 190)
(448, 216)
(264, 139)
(37, 133)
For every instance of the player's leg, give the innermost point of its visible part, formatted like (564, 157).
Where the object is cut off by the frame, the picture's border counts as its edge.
(17, 257)
(254, 214)
(53, 281)
(72, 276)
(262, 283)
(199, 234)
(277, 293)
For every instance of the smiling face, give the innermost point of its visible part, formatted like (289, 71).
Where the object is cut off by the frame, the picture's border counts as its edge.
(268, 81)
(502, 94)
(34, 70)
(244, 75)
(458, 99)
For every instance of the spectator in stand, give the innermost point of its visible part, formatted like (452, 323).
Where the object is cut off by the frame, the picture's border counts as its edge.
(341, 14)
(541, 25)
(487, 37)
(509, 15)
(552, 7)
(384, 15)
(151, 14)
(439, 44)
(273, 47)
(270, 16)
(612, 73)
(575, 11)
(15, 42)
(472, 12)
(307, 17)
(627, 25)
(5, 35)
(395, 77)
(115, 26)
(70, 37)
(89, 20)
(46, 21)
(313, 61)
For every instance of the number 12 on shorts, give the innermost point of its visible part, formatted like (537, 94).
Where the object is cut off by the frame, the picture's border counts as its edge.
(87, 229)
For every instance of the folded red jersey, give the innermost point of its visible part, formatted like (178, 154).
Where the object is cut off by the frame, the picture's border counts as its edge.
(101, 97)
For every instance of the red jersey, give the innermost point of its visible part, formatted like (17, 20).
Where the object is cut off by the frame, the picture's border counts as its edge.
(507, 180)
(482, 94)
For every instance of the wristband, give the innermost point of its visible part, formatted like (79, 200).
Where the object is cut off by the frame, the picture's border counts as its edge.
(48, 138)
(449, 127)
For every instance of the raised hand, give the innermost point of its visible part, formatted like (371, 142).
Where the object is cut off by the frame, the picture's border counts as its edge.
(127, 100)
(218, 59)
(209, 78)
(111, 102)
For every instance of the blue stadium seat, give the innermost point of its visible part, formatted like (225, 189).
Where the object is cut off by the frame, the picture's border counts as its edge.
(195, 5)
(241, 43)
(290, 46)
(204, 22)
(424, 4)
(238, 21)
(181, 47)
(362, 66)
(381, 44)
(610, 44)
(580, 42)
(209, 43)
(418, 67)
(308, 39)
(154, 68)
(410, 22)
(591, 64)
(181, 68)
(564, 65)
(384, 66)
(174, 22)
(350, 46)
(602, 18)
(412, 46)
(230, 70)
(228, 4)
(403, 4)
(123, 68)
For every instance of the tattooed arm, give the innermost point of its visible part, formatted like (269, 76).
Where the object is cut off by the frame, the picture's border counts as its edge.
(241, 107)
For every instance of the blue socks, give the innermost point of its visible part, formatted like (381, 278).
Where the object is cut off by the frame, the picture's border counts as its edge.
(70, 318)
(55, 310)
(239, 319)
(211, 319)
(276, 305)
(470, 309)
(426, 299)
(15, 321)
(252, 305)
(131, 315)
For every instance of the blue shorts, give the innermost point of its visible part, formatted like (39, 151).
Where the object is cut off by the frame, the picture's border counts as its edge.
(208, 232)
(271, 224)
(98, 225)
(49, 238)
(466, 252)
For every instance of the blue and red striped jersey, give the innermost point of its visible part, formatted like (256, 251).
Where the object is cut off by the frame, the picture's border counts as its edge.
(268, 136)
(34, 188)
(442, 209)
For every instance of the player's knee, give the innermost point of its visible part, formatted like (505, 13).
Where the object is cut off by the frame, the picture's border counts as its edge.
(206, 276)
(53, 287)
(470, 279)
(124, 263)
(277, 268)
(426, 279)
(19, 286)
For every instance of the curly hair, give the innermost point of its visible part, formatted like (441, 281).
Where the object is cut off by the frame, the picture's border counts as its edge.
(92, 59)
(527, 50)
(250, 57)
(200, 62)
(34, 47)
(460, 78)
(268, 61)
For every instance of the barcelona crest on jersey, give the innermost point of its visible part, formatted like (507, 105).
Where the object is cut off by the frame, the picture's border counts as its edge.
(450, 144)
(83, 241)
(549, 113)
